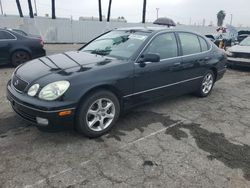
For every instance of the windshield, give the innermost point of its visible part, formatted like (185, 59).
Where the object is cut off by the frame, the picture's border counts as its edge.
(245, 42)
(118, 44)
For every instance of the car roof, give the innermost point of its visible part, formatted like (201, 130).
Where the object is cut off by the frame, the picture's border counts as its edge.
(145, 29)
(154, 29)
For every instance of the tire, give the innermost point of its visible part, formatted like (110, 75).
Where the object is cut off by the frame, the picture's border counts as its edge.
(19, 57)
(206, 84)
(97, 114)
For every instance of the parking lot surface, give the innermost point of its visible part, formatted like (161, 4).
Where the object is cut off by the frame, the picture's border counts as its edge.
(176, 142)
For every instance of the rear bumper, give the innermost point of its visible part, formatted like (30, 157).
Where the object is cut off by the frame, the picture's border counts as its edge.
(238, 61)
(31, 112)
(38, 53)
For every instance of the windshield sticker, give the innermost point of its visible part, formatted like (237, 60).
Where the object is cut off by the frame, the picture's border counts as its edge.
(139, 37)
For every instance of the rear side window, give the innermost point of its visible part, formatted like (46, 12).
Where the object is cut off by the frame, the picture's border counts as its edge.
(204, 46)
(165, 45)
(6, 35)
(190, 43)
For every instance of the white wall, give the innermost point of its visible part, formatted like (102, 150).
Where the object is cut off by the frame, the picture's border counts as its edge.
(72, 31)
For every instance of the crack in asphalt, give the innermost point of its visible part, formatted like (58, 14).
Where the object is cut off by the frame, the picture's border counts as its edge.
(232, 155)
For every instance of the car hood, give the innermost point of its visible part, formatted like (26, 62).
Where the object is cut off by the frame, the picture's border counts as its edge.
(240, 49)
(64, 64)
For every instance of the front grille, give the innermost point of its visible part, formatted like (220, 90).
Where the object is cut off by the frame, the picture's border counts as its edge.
(242, 55)
(19, 84)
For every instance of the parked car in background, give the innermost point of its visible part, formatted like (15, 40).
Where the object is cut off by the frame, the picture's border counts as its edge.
(89, 88)
(242, 37)
(211, 37)
(239, 54)
(17, 47)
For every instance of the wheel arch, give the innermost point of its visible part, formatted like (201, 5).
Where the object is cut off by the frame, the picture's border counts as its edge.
(20, 49)
(215, 71)
(106, 87)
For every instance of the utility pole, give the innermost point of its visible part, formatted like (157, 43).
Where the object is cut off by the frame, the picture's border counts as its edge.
(53, 6)
(144, 11)
(157, 13)
(100, 10)
(35, 7)
(109, 9)
(19, 8)
(231, 19)
(1, 6)
(30, 9)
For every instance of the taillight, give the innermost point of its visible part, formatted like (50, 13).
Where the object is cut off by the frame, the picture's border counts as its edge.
(41, 41)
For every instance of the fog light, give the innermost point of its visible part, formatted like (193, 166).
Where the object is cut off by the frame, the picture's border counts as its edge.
(42, 121)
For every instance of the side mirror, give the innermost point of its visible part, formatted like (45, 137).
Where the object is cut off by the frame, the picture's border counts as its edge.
(150, 57)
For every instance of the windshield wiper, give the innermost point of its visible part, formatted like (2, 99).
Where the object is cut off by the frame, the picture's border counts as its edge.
(99, 52)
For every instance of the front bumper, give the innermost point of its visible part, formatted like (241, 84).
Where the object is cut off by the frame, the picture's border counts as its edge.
(33, 109)
(238, 61)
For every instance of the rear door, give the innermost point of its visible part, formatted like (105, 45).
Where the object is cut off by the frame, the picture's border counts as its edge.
(195, 57)
(6, 40)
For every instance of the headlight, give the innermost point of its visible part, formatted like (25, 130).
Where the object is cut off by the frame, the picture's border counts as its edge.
(54, 90)
(33, 90)
(229, 53)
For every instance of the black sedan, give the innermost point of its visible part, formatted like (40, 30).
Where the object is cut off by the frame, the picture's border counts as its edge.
(17, 47)
(90, 88)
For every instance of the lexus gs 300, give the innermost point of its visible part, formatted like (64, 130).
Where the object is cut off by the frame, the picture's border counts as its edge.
(88, 89)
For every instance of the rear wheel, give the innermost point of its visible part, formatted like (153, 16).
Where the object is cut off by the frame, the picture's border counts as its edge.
(19, 57)
(207, 84)
(97, 114)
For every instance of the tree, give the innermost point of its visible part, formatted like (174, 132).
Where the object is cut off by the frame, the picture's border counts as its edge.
(109, 10)
(144, 11)
(30, 9)
(19, 8)
(53, 6)
(220, 17)
(100, 10)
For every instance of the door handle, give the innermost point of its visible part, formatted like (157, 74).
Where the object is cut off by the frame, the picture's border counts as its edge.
(177, 64)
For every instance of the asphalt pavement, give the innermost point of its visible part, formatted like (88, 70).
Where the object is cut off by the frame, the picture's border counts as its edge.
(175, 142)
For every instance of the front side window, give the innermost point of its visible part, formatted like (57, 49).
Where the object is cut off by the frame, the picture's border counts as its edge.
(190, 43)
(119, 44)
(165, 45)
(6, 36)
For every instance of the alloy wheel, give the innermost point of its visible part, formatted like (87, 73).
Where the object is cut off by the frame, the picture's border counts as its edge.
(207, 83)
(100, 114)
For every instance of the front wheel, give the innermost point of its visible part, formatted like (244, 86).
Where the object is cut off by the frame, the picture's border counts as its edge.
(97, 114)
(206, 85)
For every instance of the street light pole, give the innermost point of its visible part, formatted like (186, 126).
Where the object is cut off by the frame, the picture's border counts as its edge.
(231, 20)
(157, 13)
(1, 7)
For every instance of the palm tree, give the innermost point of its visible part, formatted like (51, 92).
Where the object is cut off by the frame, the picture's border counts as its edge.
(109, 9)
(30, 9)
(53, 9)
(220, 17)
(144, 11)
(100, 10)
(19, 8)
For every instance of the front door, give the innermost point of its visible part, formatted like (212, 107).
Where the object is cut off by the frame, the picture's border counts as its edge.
(155, 79)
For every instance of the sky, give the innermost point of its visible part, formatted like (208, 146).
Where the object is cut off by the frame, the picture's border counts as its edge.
(182, 11)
